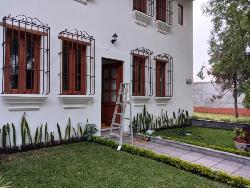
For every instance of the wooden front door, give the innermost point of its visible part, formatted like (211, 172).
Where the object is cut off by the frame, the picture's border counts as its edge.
(112, 77)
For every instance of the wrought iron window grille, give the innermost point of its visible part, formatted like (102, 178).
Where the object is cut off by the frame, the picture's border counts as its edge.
(26, 56)
(144, 6)
(168, 85)
(141, 76)
(84, 51)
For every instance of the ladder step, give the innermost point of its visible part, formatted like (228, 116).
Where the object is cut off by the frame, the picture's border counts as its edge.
(120, 114)
(116, 124)
(113, 135)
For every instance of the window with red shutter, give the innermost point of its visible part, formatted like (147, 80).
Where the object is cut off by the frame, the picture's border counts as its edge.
(144, 6)
(164, 75)
(164, 11)
(77, 74)
(160, 78)
(26, 56)
(138, 76)
(141, 70)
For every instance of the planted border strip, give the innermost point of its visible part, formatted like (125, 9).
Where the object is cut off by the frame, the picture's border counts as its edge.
(181, 164)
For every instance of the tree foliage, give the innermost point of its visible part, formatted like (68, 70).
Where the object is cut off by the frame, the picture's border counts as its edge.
(229, 39)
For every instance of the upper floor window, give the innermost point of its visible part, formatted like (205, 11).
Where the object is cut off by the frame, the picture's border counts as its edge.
(141, 72)
(180, 14)
(26, 56)
(77, 63)
(164, 11)
(144, 6)
(164, 75)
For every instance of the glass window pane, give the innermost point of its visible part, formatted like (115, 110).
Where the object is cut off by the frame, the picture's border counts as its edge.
(78, 62)
(106, 73)
(30, 60)
(14, 62)
(113, 73)
(106, 96)
(113, 96)
(65, 67)
(113, 84)
(106, 85)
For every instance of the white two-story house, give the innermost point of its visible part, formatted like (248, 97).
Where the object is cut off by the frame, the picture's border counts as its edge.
(67, 58)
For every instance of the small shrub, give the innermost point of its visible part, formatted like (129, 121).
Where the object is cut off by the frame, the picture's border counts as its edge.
(89, 131)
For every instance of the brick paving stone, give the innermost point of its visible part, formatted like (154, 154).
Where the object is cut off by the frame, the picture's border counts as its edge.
(226, 168)
(243, 173)
(231, 163)
(191, 157)
(216, 159)
(206, 162)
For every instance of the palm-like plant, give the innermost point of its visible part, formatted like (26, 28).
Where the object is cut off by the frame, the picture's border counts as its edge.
(4, 183)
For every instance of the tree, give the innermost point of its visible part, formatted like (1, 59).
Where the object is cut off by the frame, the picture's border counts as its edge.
(229, 39)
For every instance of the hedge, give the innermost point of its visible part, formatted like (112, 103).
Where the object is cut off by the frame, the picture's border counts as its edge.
(221, 117)
(180, 164)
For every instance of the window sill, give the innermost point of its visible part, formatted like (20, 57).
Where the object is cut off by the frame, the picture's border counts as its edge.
(140, 100)
(162, 100)
(163, 27)
(24, 102)
(76, 101)
(82, 1)
(142, 18)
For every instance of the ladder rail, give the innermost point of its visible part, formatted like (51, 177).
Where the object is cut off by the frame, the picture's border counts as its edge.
(124, 94)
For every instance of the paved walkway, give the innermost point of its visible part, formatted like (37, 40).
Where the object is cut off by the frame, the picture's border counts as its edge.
(215, 163)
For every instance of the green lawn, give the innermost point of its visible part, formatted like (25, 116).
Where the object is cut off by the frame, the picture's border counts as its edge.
(222, 117)
(93, 165)
(209, 136)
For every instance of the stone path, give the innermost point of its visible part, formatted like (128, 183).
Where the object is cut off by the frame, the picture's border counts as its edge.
(215, 163)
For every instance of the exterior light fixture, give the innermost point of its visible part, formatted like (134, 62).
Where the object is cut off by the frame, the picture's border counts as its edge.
(114, 38)
(189, 81)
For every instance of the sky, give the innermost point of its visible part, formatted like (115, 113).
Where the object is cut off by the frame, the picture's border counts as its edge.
(202, 29)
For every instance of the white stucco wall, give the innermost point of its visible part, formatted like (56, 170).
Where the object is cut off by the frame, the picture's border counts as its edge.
(102, 18)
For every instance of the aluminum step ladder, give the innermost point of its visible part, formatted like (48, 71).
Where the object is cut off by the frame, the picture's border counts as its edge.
(122, 101)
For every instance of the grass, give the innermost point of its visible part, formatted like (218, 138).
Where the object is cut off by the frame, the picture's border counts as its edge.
(208, 136)
(93, 165)
(222, 117)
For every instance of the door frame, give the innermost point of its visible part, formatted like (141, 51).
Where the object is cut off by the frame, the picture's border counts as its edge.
(110, 62)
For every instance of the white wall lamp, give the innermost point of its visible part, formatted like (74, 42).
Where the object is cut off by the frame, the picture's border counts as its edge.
(114, 38)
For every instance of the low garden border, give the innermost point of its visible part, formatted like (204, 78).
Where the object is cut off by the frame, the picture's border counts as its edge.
(217, 124)
(178, 163)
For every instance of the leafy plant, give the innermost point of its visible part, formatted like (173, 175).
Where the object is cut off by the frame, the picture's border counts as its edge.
(46, 134)
(4, 136)
(4, 183)
(89, 131)
(145, 121)
(14, 134)
(25, 131)
(59, 132)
